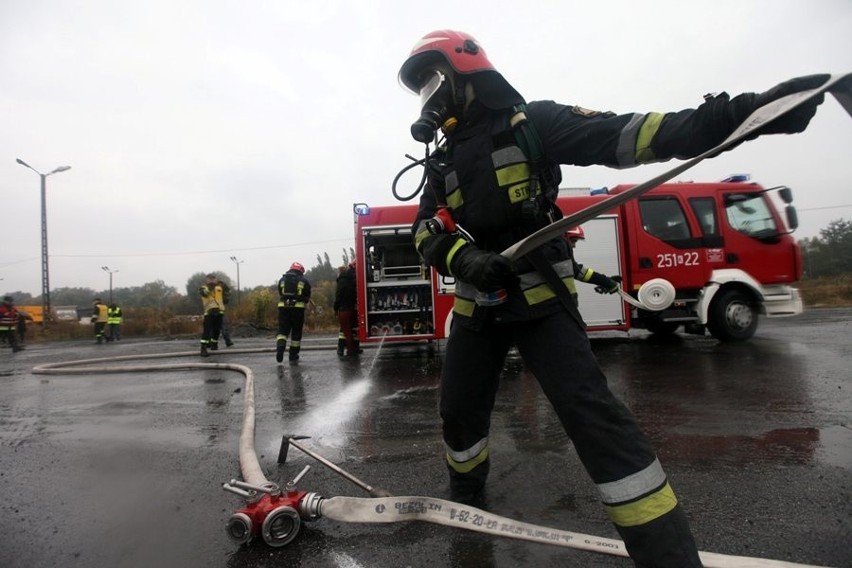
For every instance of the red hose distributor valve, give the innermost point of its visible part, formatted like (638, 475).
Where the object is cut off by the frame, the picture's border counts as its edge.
(274, 514)
(443, 222)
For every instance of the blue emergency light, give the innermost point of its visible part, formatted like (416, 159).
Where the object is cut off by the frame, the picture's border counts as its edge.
(736, 178)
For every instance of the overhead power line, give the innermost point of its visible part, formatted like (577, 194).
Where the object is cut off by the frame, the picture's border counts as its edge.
(826, 207)
(186, 253)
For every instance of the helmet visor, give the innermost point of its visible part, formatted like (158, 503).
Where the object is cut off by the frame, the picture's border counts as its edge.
(431, 87)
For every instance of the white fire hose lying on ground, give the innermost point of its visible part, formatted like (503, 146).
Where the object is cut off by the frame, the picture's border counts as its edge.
(281, 510)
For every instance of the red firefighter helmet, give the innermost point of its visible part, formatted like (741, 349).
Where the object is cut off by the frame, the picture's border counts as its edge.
(575, 233)
(459, 49)
(298, 267)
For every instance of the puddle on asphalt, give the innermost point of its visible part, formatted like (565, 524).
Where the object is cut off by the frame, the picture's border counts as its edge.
(836, 446)
(783, 446)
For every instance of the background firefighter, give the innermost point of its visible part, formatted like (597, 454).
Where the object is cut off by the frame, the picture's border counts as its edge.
(213, 300)
(294, 292)
(9, 323)
(346, 308)
(603, 284)
(498, 174)
(99, 319)
(114, 319)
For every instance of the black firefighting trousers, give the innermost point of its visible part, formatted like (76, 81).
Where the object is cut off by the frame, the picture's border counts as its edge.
(290, 323)
(614, 451)
(211, 327)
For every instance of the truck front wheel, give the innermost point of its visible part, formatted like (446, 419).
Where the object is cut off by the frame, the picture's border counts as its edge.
(732, 317)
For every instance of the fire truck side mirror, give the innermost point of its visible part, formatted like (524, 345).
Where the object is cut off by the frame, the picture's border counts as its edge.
(786, 195)
(792, 217)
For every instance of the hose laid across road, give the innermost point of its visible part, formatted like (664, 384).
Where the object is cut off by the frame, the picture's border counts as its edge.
(450, 514)
(385, 509)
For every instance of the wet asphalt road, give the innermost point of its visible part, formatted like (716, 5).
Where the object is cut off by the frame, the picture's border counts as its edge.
(125, 469)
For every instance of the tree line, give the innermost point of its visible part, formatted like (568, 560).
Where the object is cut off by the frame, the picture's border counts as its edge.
(160, 296)
(829, 254)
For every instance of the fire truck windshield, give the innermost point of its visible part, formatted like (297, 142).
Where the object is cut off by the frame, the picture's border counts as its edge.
(750, 214)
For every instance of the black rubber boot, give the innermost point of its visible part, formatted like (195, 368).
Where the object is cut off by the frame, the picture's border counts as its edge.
(280, 347)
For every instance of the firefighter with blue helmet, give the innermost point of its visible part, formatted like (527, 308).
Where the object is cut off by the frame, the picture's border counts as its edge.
(496, 172)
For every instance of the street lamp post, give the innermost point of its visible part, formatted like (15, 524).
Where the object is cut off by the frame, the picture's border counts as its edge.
(45, 272)
(238, 263)
(111, 272)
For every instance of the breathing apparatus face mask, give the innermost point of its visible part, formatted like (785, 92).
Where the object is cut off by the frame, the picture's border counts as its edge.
(436, 104)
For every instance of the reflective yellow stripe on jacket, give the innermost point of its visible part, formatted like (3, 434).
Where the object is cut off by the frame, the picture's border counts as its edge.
(533, 285)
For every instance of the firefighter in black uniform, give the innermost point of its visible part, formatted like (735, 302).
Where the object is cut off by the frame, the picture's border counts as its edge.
(497, 174)
(603, 284)
(346, 307)
(294, 292)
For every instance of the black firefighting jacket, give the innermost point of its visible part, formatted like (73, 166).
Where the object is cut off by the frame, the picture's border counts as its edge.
(294, 290)
(482, 174)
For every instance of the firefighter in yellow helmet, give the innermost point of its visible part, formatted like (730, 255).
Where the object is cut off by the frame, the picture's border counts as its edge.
(497, 172)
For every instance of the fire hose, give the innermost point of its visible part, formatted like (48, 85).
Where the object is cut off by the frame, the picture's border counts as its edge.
(276, 513)
(654, 295)
(838, 85)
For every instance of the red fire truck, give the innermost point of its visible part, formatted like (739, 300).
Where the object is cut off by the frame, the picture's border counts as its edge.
(706, 256)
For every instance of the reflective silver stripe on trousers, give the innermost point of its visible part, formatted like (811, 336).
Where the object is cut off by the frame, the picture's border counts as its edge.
(634, 485)
(468, 454)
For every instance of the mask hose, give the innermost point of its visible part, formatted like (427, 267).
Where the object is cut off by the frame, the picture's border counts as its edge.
(402, 172)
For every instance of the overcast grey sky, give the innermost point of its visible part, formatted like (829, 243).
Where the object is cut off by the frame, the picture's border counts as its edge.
(202, 129)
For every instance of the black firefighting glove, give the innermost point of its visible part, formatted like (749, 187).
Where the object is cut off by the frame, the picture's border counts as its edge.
(485, 270)
(610, 286)
(794, 121)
